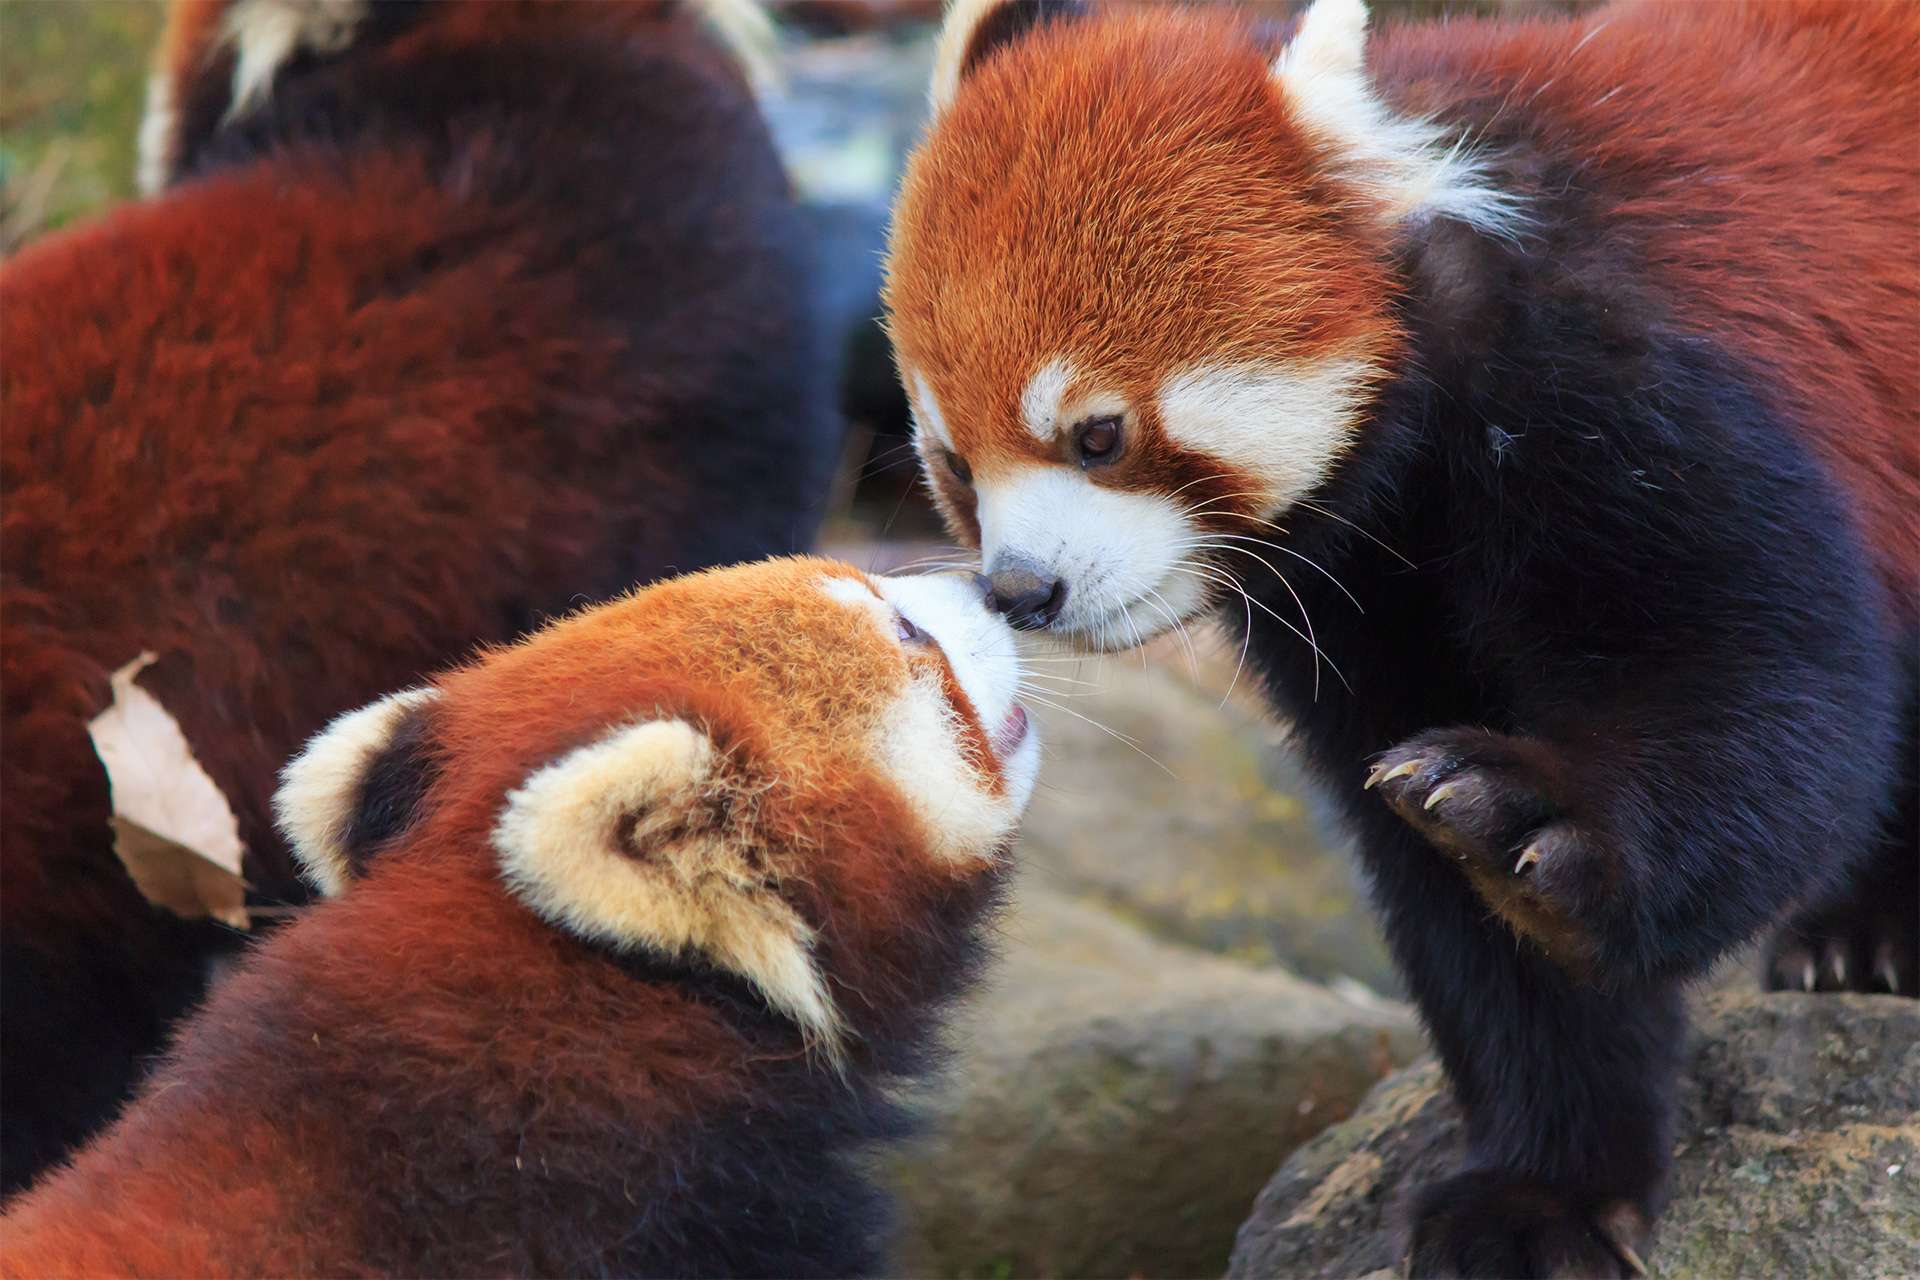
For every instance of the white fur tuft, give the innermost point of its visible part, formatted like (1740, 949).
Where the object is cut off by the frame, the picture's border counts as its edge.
(159, 125)
(266, 34)
(314, 806)
(1402, 162)
(950, 54)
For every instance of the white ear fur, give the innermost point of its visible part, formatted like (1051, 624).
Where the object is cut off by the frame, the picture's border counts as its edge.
(961, 30)
(609, 843)
(320, 787)
(1401, 161)
(266, 34)
(950, 54)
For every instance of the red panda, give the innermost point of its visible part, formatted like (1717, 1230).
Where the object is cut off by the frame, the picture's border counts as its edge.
(443, 318)
(630, 929)
(1537, 401)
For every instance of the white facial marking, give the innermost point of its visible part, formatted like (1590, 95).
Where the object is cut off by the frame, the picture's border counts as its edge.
(319, 789)
(927, 412)
(920, 746)
(1040, 402)
(1286, 422)
(1120, 553)
(1401, 161)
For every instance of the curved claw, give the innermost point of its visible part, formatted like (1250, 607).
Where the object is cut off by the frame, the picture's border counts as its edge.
(1382, 774)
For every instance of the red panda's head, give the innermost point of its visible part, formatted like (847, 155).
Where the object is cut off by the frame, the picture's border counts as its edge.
(220, 60)
(789, 771)
(1140, 288)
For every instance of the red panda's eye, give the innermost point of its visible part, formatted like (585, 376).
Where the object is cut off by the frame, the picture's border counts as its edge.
(908, 633)
(1098, 440)
(958, 465)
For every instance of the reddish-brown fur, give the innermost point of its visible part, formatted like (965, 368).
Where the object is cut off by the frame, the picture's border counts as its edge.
(322, 416)
(1792, 241)
(425, 1077)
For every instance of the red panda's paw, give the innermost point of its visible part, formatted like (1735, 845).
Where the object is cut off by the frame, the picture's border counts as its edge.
(1867, 941)
(1490, 801)
(1492, 1224)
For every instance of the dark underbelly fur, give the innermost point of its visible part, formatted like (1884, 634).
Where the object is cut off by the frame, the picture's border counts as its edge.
(1638, 661)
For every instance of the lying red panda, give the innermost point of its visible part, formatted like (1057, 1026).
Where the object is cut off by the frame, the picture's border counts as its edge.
(1556, 380)
(447, 317)
(631, 927)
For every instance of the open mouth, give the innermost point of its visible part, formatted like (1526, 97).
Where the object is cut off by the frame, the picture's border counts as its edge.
(1012, 732)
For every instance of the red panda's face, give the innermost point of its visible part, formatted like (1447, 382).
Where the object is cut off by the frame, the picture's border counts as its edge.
(779, 767)
(1135, 297)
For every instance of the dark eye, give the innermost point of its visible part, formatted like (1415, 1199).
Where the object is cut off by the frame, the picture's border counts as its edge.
(1098, 440)
(958, 465)
(908, 633)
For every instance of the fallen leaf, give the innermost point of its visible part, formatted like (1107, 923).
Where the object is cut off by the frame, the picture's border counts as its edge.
(173, 829)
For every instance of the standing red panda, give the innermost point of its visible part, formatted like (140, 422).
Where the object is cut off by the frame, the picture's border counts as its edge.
(445, 317)
(632, 929)
(1553, 378)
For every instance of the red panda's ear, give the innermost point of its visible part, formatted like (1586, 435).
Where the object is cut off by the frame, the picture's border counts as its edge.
(219, 58)
(357, 784)
(975, 28)
(1407, 166)
(639, 842)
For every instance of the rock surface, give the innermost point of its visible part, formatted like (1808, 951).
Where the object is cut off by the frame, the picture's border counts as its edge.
(1205, 834)
(1799, 1153)
(1119, 1100)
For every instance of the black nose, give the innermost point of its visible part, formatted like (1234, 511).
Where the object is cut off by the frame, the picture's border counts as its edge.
(1029, 599)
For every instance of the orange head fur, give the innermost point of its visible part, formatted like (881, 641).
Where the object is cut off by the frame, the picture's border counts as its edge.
(1147, 219)
(776, 770)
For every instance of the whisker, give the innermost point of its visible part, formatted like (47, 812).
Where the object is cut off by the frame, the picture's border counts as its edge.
(1317, 509)
(1115, 734)
(1159, 602)
(1312, 641)
(1288, 551)
(1198, 569)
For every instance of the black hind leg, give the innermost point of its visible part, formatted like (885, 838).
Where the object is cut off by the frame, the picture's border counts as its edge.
(1866, 938)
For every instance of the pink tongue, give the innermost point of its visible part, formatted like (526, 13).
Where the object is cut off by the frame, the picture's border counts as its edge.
(1013, 730)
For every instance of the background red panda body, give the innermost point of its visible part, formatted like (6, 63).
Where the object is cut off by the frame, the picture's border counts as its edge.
(631, 929)
(447, 318)
(1538, 398)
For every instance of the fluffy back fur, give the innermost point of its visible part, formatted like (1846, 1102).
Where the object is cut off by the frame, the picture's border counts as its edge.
(542, 1025)
(1540, 399)
(448, 317)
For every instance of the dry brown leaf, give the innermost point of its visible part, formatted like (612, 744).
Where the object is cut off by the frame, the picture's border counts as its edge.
(172, 826)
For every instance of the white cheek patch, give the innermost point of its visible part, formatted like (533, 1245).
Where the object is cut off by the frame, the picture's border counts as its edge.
(319, 791)
(919, 749)
(1284, 422)
(676, 884)
(919, 743)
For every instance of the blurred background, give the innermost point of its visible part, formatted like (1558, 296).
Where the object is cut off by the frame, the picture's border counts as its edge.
(1192, 986)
